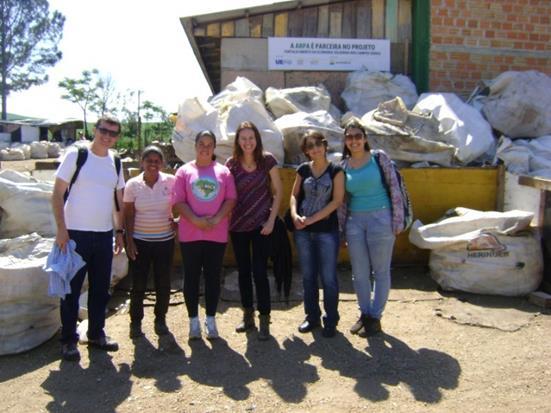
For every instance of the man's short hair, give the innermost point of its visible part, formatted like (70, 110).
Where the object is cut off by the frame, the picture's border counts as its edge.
(111, 119)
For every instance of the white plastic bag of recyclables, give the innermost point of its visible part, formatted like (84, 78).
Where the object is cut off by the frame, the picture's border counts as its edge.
(28, 316)
(483, 252)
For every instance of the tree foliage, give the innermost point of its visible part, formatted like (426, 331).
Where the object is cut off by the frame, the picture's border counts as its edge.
(29, 37)
(82, 91)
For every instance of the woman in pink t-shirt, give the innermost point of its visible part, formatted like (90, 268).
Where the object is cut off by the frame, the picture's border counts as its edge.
(204, 195)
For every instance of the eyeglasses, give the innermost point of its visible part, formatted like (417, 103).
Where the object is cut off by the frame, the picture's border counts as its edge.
(355, 137)
(108, 132)
(311, 145)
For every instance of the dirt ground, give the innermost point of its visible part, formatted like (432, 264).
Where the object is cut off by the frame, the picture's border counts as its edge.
(430, 358)
(439, 352)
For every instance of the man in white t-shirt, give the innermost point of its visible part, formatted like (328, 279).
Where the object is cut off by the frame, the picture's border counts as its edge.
(87, 217)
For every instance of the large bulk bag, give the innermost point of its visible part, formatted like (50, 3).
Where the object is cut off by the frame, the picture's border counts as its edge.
(28, 316)
(483, 252)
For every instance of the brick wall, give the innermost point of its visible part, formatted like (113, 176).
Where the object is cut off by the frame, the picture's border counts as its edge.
(479, 39)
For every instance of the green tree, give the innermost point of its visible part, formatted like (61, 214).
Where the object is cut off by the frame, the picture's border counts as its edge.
(160, 125)
(29, 36)
(82, 91)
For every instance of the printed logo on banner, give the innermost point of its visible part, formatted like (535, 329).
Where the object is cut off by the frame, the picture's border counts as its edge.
(486, 245)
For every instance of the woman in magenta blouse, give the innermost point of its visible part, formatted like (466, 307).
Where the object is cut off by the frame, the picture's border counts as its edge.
(259, 193)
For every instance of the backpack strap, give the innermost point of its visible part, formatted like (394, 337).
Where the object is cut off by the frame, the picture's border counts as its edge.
(118, 169)
(82, 155)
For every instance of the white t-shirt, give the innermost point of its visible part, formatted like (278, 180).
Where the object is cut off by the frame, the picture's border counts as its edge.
(91, 201)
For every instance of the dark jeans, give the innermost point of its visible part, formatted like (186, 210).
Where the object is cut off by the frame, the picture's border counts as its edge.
(317, 253)
(205, 257)
(159, 255)
(96, 249)
(243, 243)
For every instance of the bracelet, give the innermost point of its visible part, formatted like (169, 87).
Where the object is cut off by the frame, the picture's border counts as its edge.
(119, 231)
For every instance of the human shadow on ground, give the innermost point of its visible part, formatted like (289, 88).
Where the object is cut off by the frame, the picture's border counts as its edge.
(389, 361)
(100, 387)
(283, 367)
(218, 365)
(164, 363)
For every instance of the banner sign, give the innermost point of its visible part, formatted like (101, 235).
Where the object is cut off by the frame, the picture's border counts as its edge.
(304, 53)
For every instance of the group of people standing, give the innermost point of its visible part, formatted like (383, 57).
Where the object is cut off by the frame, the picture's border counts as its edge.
(239, 200)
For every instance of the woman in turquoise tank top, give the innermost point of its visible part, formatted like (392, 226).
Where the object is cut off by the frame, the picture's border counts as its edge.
(368, 229)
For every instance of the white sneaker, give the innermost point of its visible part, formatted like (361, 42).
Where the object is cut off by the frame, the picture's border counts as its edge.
(194, 328)
(212, 331)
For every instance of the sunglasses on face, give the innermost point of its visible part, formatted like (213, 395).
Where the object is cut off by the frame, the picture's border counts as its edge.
(312, 145)
(108, 132)
(355, 137)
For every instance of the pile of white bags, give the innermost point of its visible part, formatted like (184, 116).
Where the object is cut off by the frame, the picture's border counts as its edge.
(460, 125)
(240, 101)
(12, 154)
(519, 104)
(483, 252)
(25, 207)
(365, 90)
(299, 99)
(294, 126)
(526, 157)
(28, 316)
(406, 136)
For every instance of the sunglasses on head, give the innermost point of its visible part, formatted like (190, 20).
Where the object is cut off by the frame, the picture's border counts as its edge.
(355, 136)
(108, 132)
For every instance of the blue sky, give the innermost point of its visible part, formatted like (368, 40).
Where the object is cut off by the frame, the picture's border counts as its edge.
(141, 44)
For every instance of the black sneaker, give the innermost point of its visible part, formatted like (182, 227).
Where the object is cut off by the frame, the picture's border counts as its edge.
(328, 331)
(103, 343)
(135, 330)
(307, 326)
(69, 352)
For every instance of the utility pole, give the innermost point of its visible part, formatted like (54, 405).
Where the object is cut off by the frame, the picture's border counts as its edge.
(140, 146)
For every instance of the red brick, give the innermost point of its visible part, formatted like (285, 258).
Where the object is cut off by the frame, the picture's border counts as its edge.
(490, 34)
(460, 22)
(472, 24)
(436, 21)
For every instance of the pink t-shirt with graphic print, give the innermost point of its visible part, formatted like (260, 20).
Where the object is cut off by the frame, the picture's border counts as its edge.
(204, 190)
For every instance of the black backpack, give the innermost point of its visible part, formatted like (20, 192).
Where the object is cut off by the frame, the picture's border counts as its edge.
(82, 155)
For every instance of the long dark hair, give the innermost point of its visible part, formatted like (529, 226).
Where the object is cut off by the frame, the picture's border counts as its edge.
(354, 124)
(258, 153)
(209, 133)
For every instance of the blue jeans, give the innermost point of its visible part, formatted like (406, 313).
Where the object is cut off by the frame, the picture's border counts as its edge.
(96, 249)
(370, 242)
(317, 253)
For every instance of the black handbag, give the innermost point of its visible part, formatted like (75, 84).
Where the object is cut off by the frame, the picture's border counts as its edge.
(289, 224)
